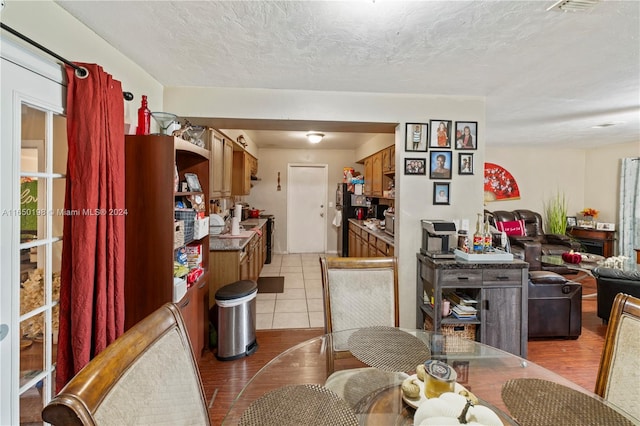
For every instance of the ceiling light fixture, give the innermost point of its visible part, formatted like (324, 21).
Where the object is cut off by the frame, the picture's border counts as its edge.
(315, 137)
(609, 124)
(573, 5)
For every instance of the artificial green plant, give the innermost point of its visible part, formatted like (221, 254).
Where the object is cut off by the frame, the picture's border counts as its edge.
(556, 211)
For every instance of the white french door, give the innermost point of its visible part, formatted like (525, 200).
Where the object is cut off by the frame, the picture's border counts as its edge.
(32, 167)
(306, 208)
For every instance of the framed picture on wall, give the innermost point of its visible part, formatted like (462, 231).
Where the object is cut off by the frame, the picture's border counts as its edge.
(415, 166)
(441, 193)
(465, 164)
(440, 165)
(417, 136)
(440, 134)
(466, 135)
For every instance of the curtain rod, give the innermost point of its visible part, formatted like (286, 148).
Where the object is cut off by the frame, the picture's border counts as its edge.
(81, 72)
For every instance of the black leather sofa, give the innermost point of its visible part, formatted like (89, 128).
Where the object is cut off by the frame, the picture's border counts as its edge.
(536, 242)
(555, 306)
(611, 281)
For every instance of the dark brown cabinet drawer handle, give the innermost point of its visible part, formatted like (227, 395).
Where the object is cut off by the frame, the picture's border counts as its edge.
(502, 278)
(463, 278)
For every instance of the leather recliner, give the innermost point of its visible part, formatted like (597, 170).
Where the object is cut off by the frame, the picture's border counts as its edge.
(555, 306)
(610, 282)
(535, 242)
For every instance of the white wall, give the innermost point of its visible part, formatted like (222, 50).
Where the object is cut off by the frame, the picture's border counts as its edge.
(602, 178)
(48, 24)
(589, 178)
(540, 173)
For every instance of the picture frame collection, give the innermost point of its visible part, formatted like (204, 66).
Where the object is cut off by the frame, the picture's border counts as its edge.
(437, 139)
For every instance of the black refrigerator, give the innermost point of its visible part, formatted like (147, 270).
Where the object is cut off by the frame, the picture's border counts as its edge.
(346, 211)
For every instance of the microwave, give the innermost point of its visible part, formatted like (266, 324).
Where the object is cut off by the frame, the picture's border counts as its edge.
(389, 223)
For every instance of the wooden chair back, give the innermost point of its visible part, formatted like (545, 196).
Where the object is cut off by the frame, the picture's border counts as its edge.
(619, 371)
(149, 375)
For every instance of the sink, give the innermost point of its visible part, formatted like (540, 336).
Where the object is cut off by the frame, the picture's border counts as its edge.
(250, 222)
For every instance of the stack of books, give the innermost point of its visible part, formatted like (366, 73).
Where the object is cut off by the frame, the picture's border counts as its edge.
(463, 307)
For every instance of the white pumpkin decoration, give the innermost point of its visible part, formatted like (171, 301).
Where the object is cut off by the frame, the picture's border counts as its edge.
(445, 410)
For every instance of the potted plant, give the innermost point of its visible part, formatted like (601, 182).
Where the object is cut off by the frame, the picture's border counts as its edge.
(556, 212)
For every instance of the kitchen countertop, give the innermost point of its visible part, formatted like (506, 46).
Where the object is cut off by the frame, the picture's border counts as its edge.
(235, 244)
(381, 235)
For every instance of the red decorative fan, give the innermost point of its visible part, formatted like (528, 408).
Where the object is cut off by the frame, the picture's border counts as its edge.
(499, 184)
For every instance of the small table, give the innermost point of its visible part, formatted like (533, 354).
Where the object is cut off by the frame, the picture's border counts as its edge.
(481, 369)
(589, 262)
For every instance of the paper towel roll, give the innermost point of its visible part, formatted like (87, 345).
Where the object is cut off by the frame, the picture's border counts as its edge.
(238, 211)
(235, 226)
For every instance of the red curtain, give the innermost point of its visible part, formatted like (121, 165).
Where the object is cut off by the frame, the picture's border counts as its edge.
(92, 276)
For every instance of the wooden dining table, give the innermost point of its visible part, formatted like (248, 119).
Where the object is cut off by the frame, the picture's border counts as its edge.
(396, 352)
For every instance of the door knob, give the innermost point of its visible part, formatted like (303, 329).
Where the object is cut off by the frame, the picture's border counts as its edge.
(4, 330)
(321, 214)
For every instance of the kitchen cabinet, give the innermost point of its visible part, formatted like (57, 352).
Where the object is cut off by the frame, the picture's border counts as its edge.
(150, 162)
(368, 176)
(243, 162)
(500, 290)
(376, 175)
(389, 159)
(221, 165)
(379, 170)
(228, 266)
(366, 243)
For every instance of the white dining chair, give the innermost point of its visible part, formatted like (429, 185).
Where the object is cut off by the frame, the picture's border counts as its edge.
(619, 371)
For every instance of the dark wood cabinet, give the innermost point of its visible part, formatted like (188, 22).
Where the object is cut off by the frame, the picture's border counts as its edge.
(150, 164)
(500, 290)
(595, 241)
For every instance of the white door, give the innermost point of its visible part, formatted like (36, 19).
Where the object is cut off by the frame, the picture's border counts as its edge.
(306, 208)
(32, 167)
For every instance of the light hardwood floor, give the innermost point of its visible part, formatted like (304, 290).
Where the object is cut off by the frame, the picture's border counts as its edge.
(577, 360)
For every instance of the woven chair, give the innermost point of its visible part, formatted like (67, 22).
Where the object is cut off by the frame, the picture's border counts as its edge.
(147, 376)
(619, 372)
(358, 292)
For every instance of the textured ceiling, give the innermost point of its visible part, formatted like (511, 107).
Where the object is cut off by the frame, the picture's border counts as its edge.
(547, 76)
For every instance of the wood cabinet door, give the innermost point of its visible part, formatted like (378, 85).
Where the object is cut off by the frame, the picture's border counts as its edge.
(376, 175)
(227, 167)
(202, 312)
(216, 165)
(245, 267)
(501, 316)
(388, 159)
(241, 178)
(188, 309)
(352, 242)
(368, 175)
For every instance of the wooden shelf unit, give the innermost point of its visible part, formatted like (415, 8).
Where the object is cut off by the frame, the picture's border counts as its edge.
(150, 197)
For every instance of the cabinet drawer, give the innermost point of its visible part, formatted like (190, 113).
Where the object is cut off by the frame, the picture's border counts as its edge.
(462, 277)
(502, 276)
(382, 246)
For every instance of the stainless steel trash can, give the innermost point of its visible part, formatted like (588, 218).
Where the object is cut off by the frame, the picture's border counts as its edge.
(236, 320)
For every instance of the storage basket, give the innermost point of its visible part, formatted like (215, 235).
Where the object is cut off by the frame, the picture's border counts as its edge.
(178, 234)
(201, 228)
(188, 216)
(457, 335)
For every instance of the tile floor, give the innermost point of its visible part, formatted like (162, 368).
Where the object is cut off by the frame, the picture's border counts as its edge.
(300, 305)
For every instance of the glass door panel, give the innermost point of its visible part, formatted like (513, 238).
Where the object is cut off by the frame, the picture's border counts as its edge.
(42, 186)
